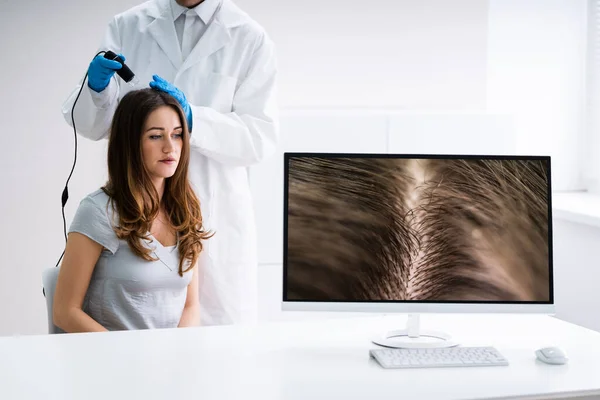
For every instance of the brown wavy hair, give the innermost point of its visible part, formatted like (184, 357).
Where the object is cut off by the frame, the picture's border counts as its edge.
(130, 188)
(373, 229)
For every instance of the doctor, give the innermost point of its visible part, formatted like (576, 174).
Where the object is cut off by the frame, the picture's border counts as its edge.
(220, 65)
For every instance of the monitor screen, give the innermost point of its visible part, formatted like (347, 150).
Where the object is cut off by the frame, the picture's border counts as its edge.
(417, 228)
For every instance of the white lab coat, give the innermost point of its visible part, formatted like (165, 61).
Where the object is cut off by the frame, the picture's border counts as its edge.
(229, 81)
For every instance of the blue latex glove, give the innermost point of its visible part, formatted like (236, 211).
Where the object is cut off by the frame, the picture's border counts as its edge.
(100, 71)
(163, 85)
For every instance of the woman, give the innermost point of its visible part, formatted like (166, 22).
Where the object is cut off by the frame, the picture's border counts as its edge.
(133, 247)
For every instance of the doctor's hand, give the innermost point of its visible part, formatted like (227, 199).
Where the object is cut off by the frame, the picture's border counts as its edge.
(100, 71)
(163, 85)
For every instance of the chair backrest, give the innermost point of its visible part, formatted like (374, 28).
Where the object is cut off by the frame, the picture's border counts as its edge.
(49, 278)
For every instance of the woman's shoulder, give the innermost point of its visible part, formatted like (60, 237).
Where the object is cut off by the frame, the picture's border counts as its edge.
(93, 219)
(97, 197)
(99, 200)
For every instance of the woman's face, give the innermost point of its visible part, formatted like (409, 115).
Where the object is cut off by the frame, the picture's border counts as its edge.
(162, 141)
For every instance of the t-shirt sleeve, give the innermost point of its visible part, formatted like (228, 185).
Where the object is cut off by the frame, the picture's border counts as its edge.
(92, 221)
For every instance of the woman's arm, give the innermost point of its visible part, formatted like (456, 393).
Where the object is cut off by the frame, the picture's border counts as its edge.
(76, 270)
(191, 310)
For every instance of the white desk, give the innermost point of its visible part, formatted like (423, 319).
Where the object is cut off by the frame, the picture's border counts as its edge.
(296, 360)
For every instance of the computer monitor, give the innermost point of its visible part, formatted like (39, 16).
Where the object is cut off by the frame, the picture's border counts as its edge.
(414, 233)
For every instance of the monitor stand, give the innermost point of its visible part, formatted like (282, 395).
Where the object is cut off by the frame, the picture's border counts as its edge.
(413, 337)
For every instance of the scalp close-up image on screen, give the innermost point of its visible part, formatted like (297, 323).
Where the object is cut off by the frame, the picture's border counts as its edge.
(375, 228)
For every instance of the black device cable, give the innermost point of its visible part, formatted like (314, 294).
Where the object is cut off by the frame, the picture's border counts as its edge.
(65, 193)
(128, 76)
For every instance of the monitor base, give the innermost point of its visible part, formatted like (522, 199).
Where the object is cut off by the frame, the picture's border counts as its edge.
(413, 337)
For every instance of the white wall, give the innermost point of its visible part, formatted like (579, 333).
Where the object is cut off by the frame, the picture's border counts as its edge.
(379, 62)
(379, 53)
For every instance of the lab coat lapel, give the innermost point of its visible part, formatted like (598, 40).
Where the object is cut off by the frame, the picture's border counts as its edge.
(162, 29)
(215, 37)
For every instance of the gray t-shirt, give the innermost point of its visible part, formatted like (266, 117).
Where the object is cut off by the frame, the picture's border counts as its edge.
(127, 292)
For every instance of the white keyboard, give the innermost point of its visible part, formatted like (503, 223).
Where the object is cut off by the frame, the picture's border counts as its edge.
(438, 357)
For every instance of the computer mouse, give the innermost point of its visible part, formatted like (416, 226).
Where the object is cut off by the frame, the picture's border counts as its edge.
(551, 355)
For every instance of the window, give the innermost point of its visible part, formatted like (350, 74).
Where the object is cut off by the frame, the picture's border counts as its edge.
(536, 58)
(591, 143)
